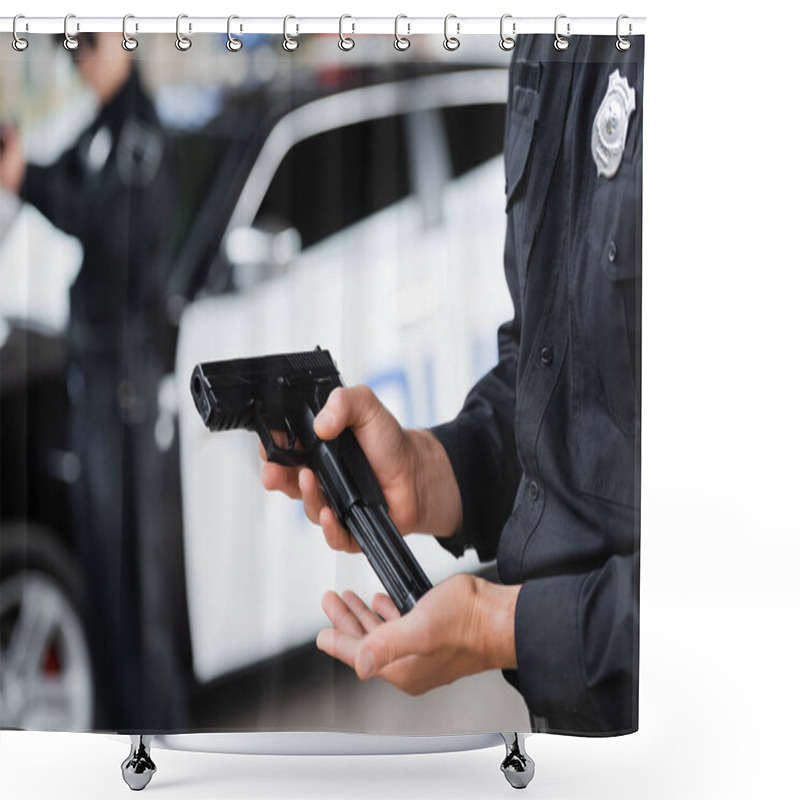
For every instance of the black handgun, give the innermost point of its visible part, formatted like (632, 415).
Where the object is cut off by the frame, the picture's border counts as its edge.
(285, 392)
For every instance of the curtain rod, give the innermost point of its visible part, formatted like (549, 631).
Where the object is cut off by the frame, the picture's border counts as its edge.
(298, 25)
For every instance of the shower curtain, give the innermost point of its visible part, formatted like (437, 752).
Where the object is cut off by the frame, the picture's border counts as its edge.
(461, 228)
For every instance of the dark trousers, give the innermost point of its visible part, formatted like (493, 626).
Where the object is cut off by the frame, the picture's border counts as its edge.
(128, 538)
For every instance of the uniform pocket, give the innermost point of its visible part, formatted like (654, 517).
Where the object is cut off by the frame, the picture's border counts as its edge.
(605, 303)
(606, 294)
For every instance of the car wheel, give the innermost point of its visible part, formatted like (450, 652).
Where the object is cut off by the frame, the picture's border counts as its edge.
(46, 675)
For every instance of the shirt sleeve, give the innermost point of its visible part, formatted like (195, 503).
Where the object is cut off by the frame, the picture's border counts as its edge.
(480, 441)
(577, 647)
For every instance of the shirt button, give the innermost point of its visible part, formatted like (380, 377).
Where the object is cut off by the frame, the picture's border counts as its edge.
(547, 356)
(534, 490)
(612, 251)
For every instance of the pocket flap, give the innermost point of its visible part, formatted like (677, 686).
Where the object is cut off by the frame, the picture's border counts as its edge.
(519, 140)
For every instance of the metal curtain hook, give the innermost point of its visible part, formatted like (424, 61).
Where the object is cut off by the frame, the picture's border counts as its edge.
(401, 43)
(506, 42)
(183, 43)
(18, 43)
(129, 43)
(561, 43)
(290, 43)
(233, 44)
(345, 42)
(622, 43)
(70, 42)
(451, 42)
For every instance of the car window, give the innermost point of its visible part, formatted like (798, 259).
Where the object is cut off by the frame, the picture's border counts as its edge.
(335, 179)
(474, 134)
(195, 162)
(202, 194)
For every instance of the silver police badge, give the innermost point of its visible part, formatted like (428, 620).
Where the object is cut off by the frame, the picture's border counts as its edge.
(610, 127)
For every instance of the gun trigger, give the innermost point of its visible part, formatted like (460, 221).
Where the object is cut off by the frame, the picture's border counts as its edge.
(286, 457)
(290, 434)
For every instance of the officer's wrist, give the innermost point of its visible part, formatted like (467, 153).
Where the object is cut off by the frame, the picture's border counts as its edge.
(438, 496)
(497, 609)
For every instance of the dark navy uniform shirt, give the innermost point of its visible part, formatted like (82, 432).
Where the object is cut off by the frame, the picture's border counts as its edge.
(110, 190)
(546, 449)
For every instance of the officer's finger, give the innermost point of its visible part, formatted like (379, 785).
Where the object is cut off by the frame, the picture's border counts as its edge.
(337, 536)
(353, 407)
(279, 437)
(387, 643)
(281, 479)
(366, 617)
(340, 613)
(313, 500)
(339, 645)
(383, 605)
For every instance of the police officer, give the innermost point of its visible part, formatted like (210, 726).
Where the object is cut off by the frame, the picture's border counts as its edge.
(111, 191)
(541, 467)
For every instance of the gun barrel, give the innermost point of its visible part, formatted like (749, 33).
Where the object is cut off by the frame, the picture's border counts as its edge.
(218, 416)
(389, 555)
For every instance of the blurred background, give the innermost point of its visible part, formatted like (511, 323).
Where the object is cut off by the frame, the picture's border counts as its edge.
(167, 208)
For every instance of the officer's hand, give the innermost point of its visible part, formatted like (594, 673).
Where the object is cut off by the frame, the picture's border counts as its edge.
(12, 159)
(412, 469)
(462, 626)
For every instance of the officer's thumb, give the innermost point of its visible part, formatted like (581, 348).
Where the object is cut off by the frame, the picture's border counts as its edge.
(386, 644)
(352, 407)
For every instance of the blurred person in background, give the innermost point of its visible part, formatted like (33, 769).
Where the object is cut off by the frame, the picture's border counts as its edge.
(111, 190)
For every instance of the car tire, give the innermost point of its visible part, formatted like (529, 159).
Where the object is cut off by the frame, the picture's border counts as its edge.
(46, 680)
